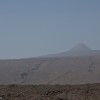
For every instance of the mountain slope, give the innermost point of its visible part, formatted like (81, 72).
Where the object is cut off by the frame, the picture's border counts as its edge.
(80, 66)
(72, 70)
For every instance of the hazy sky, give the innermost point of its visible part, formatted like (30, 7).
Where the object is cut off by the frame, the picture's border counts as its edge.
(31, 28)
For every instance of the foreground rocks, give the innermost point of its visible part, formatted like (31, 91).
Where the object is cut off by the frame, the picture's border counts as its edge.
(50, 92)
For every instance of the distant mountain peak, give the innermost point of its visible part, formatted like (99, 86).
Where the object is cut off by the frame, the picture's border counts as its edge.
(80, 48)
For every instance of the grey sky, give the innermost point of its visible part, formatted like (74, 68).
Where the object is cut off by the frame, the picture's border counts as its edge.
(31, 28)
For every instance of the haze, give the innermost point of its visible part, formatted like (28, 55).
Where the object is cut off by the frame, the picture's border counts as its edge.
(30, 28)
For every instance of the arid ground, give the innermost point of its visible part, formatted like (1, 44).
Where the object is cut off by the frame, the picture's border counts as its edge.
(50, 92)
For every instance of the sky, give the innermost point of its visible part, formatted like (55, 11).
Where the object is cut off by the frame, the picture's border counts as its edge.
(30, 28)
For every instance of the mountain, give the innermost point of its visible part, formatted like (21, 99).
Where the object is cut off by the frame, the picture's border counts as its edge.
(80, 65)
(79, 50)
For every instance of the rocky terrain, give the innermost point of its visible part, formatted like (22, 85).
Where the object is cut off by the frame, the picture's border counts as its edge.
(50, 92)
